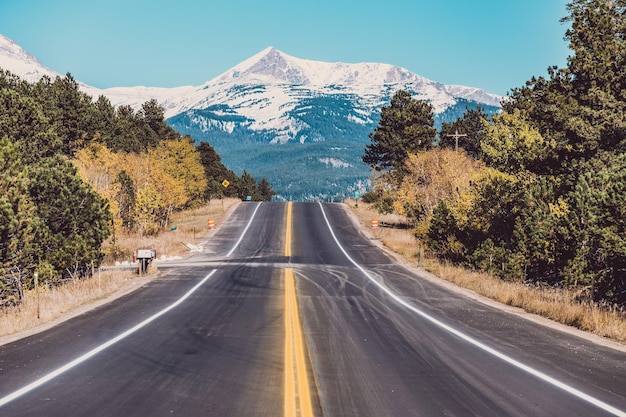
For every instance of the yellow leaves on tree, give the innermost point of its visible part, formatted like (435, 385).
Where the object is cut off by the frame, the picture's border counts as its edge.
(148, 210)
(486, 200)
(431, 177)
(165, 179)
(512, 144)
(98, 166)
(181, 161)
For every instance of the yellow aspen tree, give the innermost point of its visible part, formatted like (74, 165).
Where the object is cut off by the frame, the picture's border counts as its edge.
(98, 166)
(171, 192)
(181, 160)
(147, 211)
(513, 145)
(489, 200)
(431, 177)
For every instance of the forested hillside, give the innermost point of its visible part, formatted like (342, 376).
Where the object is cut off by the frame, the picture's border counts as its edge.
(74, 173)
(535, 194)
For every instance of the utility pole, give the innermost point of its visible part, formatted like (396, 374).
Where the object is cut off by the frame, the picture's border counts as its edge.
(456, 137)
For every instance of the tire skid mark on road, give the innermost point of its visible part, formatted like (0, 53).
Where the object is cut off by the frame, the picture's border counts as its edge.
(538, 374)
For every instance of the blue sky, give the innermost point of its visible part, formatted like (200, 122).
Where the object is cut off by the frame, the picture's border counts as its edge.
(495, 45)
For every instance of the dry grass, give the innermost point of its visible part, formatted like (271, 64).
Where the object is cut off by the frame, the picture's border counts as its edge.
(56, 302)
(556, 304)
(190, 226)
(68, 299)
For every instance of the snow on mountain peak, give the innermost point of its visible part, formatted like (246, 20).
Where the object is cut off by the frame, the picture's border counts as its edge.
(11, 49)
(21, 63)
(272, 66)
(269, 65)
(272, 80)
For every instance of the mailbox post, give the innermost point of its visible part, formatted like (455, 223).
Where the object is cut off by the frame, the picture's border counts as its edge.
(144, 257)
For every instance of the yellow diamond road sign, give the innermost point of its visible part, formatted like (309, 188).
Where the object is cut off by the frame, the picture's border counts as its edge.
(225, 183)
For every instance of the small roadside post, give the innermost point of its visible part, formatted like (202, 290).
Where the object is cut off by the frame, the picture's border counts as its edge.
(419, 254)
(36, 277)
(225, 184)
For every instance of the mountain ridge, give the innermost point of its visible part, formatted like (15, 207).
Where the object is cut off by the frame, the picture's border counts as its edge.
(18, 61)
(272, 98)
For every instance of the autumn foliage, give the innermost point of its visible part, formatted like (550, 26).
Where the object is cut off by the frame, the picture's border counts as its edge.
(536, 194)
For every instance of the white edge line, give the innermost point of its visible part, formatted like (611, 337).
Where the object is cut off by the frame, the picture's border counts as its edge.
(586, 397)
(50, 376)
(244, 231)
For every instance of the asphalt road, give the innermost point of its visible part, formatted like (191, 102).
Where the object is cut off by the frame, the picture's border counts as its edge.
(222, 334)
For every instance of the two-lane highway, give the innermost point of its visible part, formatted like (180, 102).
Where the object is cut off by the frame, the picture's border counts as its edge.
(292, 311)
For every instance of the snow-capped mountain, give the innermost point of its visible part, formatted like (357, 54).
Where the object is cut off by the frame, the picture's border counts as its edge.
(266, 91)
(14, 59)
(320, 112)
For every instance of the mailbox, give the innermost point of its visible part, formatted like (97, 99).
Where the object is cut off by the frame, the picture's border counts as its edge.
(144, 257)
(146, 254)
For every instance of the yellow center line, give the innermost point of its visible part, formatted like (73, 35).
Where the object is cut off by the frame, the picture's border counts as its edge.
(297, 391)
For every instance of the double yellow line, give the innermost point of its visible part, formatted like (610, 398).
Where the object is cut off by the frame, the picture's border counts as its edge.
(297, 390)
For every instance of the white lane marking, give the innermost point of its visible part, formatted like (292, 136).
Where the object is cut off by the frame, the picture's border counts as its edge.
(46, 378)
(544, 377)
(244, 231)
(100, 348)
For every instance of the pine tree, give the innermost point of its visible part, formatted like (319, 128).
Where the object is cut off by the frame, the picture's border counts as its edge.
(540, 236)
(598, 73)
(125, 138)
(153, 116)
(126, 199)
(103, 121)
(598, 229)
(405, 126)
(22, 120)
(247, 187)
(75, 217)
(71, 112)
(582, 107)
(265, 191)
(20, 229)
(216, 173)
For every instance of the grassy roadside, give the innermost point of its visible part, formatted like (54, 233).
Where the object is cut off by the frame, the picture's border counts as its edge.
(558, 305)
(75, 297)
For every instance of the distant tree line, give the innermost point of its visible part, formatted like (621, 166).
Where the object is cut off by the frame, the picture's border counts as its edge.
(73, 172)
(536, 193)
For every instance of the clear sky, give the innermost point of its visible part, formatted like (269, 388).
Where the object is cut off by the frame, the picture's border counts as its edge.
(495, 45)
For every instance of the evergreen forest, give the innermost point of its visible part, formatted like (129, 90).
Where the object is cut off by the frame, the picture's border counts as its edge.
(536, 193)
(74, 172)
